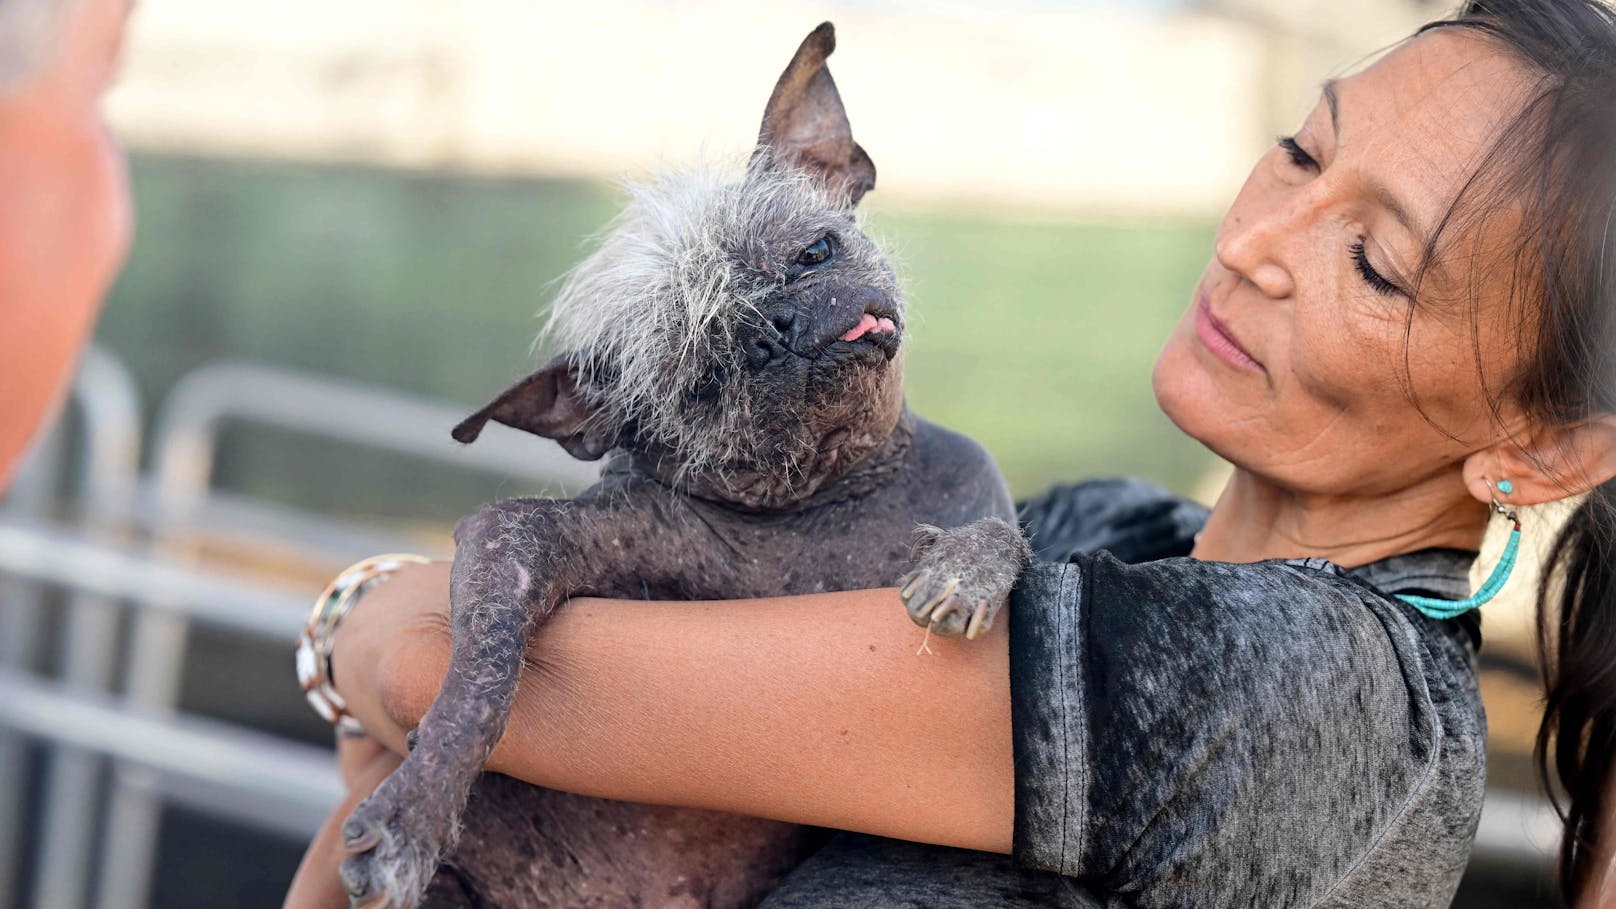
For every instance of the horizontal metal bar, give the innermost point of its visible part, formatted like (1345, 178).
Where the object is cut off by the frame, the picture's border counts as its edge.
(234, 762)
(294, 820)
(32, 549)
(350, 411)
(321, 537)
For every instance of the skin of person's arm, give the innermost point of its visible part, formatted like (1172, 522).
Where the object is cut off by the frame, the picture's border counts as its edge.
(811, 709)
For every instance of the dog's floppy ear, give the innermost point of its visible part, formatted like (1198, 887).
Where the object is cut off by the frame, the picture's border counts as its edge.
(547, 403)
(806, 126)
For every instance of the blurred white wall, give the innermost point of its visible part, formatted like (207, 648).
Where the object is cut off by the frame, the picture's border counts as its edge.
(1021, 104)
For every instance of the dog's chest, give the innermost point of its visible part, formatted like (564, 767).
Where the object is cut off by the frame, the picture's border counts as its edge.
(844, 549)
(702, 551)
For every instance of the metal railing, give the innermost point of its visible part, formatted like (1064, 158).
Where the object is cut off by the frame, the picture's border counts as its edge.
(21, 618)
(109, 409)
(185, 442)
(260, 775)
(109, 465)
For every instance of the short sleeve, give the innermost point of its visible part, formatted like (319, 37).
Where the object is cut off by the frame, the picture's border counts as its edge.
(1179, 721)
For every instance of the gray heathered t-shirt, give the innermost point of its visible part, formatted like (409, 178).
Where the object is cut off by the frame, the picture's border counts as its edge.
(1206, 734)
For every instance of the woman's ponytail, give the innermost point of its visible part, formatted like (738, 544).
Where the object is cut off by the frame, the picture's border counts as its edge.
(1577, 650)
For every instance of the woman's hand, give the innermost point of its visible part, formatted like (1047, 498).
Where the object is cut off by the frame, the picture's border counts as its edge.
(394, 619)
(363, 763)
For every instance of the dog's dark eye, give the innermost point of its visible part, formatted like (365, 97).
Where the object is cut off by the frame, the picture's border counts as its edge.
(711, 383)
(816, 253)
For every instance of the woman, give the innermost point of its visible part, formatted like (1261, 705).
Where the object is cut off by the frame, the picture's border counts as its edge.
(1408, 324)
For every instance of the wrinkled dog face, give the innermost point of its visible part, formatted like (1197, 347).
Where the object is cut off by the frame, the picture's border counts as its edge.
(741, 336)
(744, 334)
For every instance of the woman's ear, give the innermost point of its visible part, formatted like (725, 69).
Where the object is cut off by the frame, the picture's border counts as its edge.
(1553, 463)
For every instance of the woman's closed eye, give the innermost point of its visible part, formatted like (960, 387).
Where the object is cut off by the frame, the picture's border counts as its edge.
(1375, 280)
(1299, 155)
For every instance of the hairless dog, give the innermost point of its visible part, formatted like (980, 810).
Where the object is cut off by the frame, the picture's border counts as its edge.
(734, 348)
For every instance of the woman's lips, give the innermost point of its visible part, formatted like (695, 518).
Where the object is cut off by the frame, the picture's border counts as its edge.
(1218, 339)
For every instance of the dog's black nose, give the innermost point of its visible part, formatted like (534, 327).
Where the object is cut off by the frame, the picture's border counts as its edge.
(774, 340)
(763, 350)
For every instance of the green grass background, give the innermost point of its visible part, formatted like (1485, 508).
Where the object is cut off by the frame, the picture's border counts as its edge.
(1034, 337)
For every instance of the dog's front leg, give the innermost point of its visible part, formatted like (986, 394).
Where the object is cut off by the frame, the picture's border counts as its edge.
(514, 562)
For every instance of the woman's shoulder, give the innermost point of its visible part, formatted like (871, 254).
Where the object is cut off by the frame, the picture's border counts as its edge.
(1127, 542)
(1296, 622)
(1124, 590)
(1296, 625)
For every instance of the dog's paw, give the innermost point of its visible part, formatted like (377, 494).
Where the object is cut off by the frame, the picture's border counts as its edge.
(395, 839)
(962, 577)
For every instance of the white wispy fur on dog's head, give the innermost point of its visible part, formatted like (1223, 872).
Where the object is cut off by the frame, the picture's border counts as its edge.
(652, 314)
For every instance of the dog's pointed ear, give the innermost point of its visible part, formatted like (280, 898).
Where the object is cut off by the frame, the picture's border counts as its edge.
(806, 126)
(547, 403)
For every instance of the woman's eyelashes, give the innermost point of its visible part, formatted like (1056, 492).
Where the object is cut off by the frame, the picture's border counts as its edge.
(1376, 281)
(1360, 257)
(1299, 155)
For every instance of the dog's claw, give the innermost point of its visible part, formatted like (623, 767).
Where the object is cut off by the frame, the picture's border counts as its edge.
(356, 881)
(914, 582)
(358, 836)
(943, 596)
(396, 836)
(978, 618)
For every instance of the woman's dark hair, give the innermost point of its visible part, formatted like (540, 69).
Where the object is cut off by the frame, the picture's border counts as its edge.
(1555, 162)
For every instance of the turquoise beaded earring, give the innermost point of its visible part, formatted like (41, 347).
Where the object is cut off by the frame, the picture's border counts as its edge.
(1447, 609)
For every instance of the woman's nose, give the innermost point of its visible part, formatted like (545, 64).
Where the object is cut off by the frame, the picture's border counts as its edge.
(1253, 245)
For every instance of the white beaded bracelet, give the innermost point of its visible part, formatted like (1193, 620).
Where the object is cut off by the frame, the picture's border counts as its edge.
(314, 644)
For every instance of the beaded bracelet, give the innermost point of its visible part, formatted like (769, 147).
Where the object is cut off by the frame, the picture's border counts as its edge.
(314, 644)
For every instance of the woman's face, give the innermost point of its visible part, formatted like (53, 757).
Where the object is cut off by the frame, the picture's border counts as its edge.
(1295, 357)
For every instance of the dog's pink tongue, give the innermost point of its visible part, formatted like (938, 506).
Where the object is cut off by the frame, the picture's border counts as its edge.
(867, 323)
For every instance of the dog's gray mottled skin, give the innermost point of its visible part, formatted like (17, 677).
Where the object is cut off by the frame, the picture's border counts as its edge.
(735, 348)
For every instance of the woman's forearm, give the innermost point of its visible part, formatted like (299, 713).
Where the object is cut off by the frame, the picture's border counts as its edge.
(813, 709)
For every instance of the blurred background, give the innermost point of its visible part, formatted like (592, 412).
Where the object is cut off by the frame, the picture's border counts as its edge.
(350, 215)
